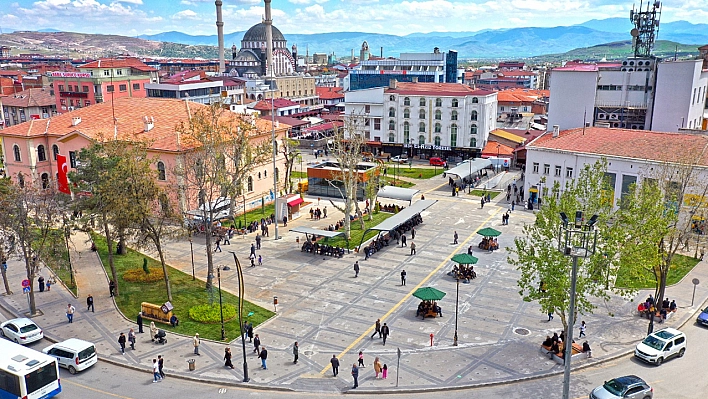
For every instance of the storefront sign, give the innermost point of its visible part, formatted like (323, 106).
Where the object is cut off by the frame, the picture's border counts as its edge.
(71, 74)
(428, 147)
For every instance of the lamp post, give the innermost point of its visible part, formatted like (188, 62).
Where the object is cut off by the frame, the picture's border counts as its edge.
(239, 270)
(457, 301)
(497, 166)
(272, 87)
(191, 251)
(578, 240)
(221, 309)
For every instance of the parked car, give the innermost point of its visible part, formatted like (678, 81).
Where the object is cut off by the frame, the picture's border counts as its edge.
(629, 386)
(703, 317)
(73, 354)
(435, 161)
(661, 345)
(22, 331)
(400, 159)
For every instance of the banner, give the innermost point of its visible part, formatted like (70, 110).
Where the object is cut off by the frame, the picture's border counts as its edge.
(63, 170)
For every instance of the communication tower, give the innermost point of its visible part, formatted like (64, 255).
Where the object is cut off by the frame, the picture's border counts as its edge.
(646, 27)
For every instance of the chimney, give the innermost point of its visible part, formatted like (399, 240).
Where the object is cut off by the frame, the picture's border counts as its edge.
(393, 84)
(556, 130)
(75, 120)
(148, 123)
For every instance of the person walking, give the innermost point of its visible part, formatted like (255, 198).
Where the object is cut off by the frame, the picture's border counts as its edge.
(455, 237)
(324, 212)
(70, 313)
(355, 375)
(131, 339)
(385, 331)
(250, 332)
(482, 202)
(356, 269)
(258, 241)
(218, 245)
(40, 281)
(296, 352)
(155, 371)
(253, 249)
(121, 342)
(89, 303)
(196, 342)
(263, 355)
(227, 357)
(377, 367)
(384, 371)
(403, 277)
(403, 241)
(361, 359)
(377, 329)
(50, 282)
(257, 345)
(413, 233)
(412, 248)
(161, 365)
(112, 287)
(550, 315)
(252, 257)
(140, 322)
(513, 204)
(260, 260)
(335, 365)
(285, 221)
(582, 329)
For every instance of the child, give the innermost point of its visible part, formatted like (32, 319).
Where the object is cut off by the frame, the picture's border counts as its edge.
(384, 371)
(260, 260)
(361, 359)
(49, 284)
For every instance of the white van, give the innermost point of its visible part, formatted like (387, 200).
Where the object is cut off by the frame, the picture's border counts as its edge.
(73, 354)
(661, 345)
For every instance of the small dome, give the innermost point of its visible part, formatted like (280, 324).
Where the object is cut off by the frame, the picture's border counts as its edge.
(257, 33)
(245, 55)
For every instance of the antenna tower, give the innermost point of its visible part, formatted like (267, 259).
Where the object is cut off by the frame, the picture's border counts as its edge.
(646, 27)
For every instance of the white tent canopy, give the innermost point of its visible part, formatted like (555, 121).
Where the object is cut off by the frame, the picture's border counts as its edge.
(397, 193)
(469, 168)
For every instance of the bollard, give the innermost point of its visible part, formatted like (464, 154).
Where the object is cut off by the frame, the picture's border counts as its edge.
(275, 303)
(191, 364)
(431, 339)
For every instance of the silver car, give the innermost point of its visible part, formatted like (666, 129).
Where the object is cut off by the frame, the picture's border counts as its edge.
(629, 386)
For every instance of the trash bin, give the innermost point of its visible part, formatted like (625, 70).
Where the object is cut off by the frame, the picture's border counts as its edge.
(191, 364)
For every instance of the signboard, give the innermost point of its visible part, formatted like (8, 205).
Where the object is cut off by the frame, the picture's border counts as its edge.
(26, 290)
(428, 147)
(25, 283)
(57, 74)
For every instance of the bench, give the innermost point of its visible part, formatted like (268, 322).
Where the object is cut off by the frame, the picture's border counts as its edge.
(158, 313)
(430, 313)
(577, 352)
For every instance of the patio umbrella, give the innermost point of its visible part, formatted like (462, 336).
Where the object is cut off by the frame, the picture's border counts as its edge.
(464, 259)
(489, 232)
(429, 294)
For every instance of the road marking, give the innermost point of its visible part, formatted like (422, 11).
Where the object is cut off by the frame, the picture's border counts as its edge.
(410, 293)
(96, 390)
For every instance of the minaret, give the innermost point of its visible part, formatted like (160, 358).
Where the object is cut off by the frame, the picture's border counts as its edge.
(269, 39)
(220, 35)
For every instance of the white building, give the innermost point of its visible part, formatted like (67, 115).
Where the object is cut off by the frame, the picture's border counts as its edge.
(636, 93)
(196, 86)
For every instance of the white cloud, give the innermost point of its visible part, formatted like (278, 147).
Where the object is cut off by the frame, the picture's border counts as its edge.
(308, 1)
(185, 14)
(137, 2)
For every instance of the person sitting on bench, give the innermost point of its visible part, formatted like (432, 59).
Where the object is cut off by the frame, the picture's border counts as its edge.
(548, 342)
(438, 310)
(586, 349)
(174, 321)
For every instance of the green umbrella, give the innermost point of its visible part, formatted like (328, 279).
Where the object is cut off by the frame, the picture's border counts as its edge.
(464, 259)
(429, 294)
(489, 232)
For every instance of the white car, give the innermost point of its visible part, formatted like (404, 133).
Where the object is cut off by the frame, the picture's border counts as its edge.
(400, 159)
(22, 331)
(661, 345)
(73, 354)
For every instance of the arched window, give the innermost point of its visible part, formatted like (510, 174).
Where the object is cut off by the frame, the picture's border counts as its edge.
(406, 101)
(406, 132)
(421, 114)
(259, 175)
(55, 151)
(277, 173)
(391, 137)
(16, 152)
(438, 115)
(421, 140)
(406, 113)
(453, 136)
(422, 102)
(473, 142)
(453, 116)
(161, 171)
(437, 140)
(391, 98)
(45, 181)
(41, 153)
(265, 173)
(473, 128)
(475, 100)
(421, 127)
(391, 125)
(455, 103)
(250, 184)
(438, 128)
(391, 112)
(438, 102)
(474, 115)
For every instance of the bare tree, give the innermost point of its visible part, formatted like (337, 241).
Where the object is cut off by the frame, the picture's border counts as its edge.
(291, 153)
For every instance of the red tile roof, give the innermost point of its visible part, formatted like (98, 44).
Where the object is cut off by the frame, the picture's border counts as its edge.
(329, 93)
(577, 66)
(38, 97)
(521, 95)
(634, 144)
(119, 63)
(436, 89)
(493, 148)
(264, 105)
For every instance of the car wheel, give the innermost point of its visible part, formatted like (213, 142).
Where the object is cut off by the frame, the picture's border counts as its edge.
(659, 361)
(17, 341)
(2, 333)
(647, 397)
(72, 370)
(681, 352)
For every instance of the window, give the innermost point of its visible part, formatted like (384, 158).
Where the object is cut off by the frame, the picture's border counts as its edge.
(422, 102)
(474, 115)
(377, 123)
(16, 151)
(421, 114)
(438, 102)
(453, 116)
(109, 88)
(367, 109)
(421, 139)
(72, 159)
(546, 169)
(558, 170)
(391, 137)
(106, 72)
(437, 140)
(85, 89)
(391, 125)
(406, 113)
(438, 115)
(473, 128)
(438, 128)
(568, 172)
(453, 136)
(406, 132)
(119, 72)
(391, 112)
(136, 86)
(421, 127)
(87, 103)
(535, 167)
(455, 103)
(161, 171)
(473, 142)
(45, 181)
(610, 87)
(265, 173)
(10, 383)
(475, 100)
(406, 101)
(61, 87)
(55, 151)
(250, 184)
(123, 87)
(41, 153)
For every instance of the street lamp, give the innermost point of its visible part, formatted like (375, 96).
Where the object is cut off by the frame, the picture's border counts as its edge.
(221, 309)
(577, 239)
(239, 270)
(191, 250)
(272, 87)
(457, 302)
(497, 166)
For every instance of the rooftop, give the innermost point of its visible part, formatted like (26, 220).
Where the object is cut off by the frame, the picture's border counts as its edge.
(329, 93)
(265, 105)
(118, 63)
(37, 97)
(439, 89)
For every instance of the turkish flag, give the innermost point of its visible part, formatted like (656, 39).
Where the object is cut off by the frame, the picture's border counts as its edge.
(63, 179)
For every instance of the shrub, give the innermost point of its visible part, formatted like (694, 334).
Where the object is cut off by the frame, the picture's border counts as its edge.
(140, 276)
(211, 314)
(145, 266)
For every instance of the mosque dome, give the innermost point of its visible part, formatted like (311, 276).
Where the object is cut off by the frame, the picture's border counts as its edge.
(257, 33)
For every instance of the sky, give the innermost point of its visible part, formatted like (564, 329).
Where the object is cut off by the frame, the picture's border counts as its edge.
(397, 17)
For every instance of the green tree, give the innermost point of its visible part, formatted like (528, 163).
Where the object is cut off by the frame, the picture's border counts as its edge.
(291, 154)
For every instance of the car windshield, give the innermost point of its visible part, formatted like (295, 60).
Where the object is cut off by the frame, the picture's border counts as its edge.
(614, 387)
(653, 342)
(28, 328)
(87, 353)
(705, 310)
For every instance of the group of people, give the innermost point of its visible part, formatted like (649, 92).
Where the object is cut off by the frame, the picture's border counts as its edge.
(555, 345)
(427, 307)
(262, 225)
(649, 309)
(505, 218)
(489, 244)
(378, 368)
(322, 249)
(317, 213)
(389, 208)
(463, 272)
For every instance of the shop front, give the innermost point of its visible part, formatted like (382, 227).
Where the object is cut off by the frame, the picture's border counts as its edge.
(450, 154)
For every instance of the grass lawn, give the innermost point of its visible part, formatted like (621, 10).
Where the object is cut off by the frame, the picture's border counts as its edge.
(298, 175)
(388, 180)
(413, 173)
(59, 262)
(479, 193)
(680, 266)
(357, 232)
(186, 293)
(253, 214)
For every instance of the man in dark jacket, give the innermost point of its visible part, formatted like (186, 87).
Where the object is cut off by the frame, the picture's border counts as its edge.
(263, 355)
(121, 342)
(378, 329)
(335, 365)
(89, 303)
(257, 345)
(384, 333)
(140, 322)
(355, 375)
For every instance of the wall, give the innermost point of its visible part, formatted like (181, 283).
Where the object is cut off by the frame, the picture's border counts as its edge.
(674, 105)
(572, 96)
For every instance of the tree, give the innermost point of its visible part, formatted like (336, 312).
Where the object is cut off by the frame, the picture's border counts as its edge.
(5, 232)
(545, 271)
(291, 153)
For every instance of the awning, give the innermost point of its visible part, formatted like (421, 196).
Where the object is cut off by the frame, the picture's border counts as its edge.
(469, 168)
(295, 201)
(398, 193)
(317, 232)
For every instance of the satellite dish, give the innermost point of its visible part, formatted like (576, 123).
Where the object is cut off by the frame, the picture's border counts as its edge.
(634, 32)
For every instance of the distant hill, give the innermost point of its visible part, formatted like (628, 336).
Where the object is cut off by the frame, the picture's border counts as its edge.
(619, 50)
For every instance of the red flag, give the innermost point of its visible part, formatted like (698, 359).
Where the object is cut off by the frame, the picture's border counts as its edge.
(63, 179)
